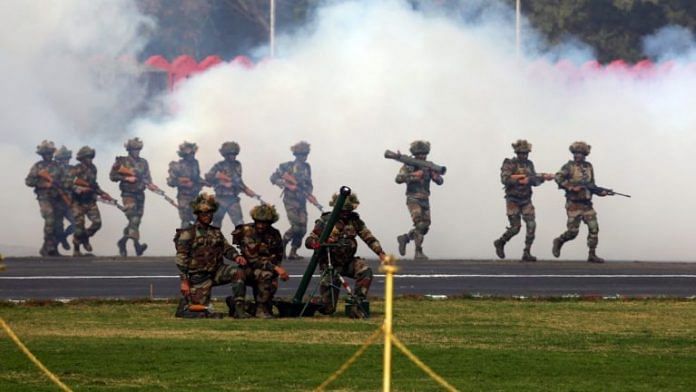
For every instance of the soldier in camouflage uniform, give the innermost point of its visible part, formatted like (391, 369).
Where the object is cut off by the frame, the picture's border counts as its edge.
(82, 182)
(133, 174)
(518, 176)
(295, 195)
(342, 255)
(64, 209)
(185, 175)
(262, 247)
(577, 179)
(200, 249)
(226, 178)
(45, 177)
(417, 198)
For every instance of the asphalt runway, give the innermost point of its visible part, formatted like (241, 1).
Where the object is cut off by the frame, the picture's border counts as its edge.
(156, 277)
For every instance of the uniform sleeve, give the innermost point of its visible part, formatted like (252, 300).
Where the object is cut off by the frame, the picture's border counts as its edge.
(439, 180)
(229, 251)
(277, 177)
(308, 186)
(69, 178)
(367, 236)
(562, 176)
(276, 248)
(173, 176)
(313, 237)
(182, 242)
(146, 173)
(32, 179)
(404, 175)
(534, 179)
(238, 175)
(114, 175)
(210, 176)
(506, 170)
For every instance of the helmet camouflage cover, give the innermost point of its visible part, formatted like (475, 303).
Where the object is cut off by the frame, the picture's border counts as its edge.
(187, 148)
(351, 203)
(264, 213)
(85, 152)
(301, 148)
(204, 203)
(580, 147)
(63, 153)
(420, 147)
(229, 148)
(133, 144)
(522, 145)
(45, 147)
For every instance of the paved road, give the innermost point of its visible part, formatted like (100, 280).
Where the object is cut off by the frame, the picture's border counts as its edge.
(108, 277)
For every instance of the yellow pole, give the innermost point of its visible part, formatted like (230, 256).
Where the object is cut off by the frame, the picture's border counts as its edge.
(389, 269)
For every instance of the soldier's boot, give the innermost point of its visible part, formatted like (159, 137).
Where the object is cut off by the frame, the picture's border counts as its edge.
(43, 251)
(64, 242)
(293, 254)
(139, 248)
(557, 245)
(593, 258)
(86, 244)
(240, 311)
(285, 245)
(267, 311)
(499, 245)
(76, 249)
(420, 255)
(403, 240)
(527, 255)
(122, 247)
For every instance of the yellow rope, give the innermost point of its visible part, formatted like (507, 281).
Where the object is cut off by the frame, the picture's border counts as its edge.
(422, 365)
(31, 356)
(350, 360)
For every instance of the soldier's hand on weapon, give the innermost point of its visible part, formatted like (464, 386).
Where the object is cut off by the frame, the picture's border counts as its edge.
(185, 182)
(185, 287)
(290, 186)
(282, 273)
(315, 245)
(418, 174)
(548, 176)
(131, 179)
(576, 188)
(152, 187)
(606, 192)
(435, 175)
(523, 181)
(240, 260)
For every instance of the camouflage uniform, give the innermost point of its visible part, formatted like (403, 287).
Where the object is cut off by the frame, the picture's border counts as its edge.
(132, 194)
(262, 247)
(295, 201)
(577, 179)
(84, 199)
(185, 175)
(518, 198)
(63, 208)
(417, 200)
(200, 250)
(342, 257)
(227, 196)
(48, 193)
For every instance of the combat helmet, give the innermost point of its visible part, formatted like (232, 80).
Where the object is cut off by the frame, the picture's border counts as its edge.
(204, 203)
(229, 148)
(85, 152)
(264, 213)
(46, 147)
(63, 154)
(301, 148)
(581, 147)
(133, 144)
(522, 145)
(351, 203)
(420, 147)
(187, 148)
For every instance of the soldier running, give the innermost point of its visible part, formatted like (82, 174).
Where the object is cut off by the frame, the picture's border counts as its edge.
(185, 176)
(417, 198)
(84, 188)
(64, 207)
(518, 176)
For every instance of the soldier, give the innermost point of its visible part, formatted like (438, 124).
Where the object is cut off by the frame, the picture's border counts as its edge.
(185, 175)
(226, 178)
(577, 179)
(200, 249)
(45, 177)
(295, 178)
(261, 245)
(518, 176)
(133, 174)
(82, 182)
(417, 194)
(64, 208)
(342, 255)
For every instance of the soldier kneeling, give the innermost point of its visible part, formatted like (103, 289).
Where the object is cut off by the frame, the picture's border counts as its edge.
(200, 250)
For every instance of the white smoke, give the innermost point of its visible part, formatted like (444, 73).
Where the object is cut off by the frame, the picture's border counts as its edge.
(371, 76)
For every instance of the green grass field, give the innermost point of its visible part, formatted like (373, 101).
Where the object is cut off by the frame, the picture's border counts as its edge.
(475, 344)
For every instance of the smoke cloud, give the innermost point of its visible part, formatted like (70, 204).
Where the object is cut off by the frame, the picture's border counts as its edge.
(370, 76)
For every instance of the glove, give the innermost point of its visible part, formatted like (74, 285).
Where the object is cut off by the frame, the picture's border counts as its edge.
(185, 287)
(240, 260)
(282, 273)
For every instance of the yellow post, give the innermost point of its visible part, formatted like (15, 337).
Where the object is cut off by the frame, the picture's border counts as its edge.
(389, 269)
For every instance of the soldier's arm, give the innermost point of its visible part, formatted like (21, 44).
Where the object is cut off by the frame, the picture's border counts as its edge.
(173, 176)
(367, 236)
(535, 179)
(182, 242)
(229, 251)
(146, 177)
(32, 178)
(210, 175)
(308, 186)
(437, 178)
(276, 248)
(561, 177)
(277, 177)
(312, 241)
(506, 171)
(404, 175)
(114, 175)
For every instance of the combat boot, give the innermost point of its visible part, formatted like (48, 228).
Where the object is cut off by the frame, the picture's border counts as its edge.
(122, 247)
(86, 244)
(139, 248)
(499, 248)
(285, 245)
(527, 256)
(64, 242)
(557, 245)
(267, 311)
(293, 254)
(593, 258)
(403, 240)
(420, 255)
(76, 250)
(240, 311)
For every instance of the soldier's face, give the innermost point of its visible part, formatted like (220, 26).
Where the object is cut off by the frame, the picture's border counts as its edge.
(261, 227)
(86, 161)
(522, 156)
(421, 156)
(134, 153)
(230, 157)
(301, 157)
(205, 218)
(47, 156)
(578, 157)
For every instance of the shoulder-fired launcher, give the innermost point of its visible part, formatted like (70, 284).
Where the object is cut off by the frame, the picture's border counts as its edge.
(421, 164)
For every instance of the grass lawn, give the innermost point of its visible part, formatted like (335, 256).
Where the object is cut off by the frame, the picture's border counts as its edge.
(475, 344)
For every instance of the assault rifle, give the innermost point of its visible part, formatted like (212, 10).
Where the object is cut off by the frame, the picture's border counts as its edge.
(102, 196)
(598, 189)
(522, 177)
(44, 175)
(228, 182)
(130, 172)
(291, 184)
(421, 164)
